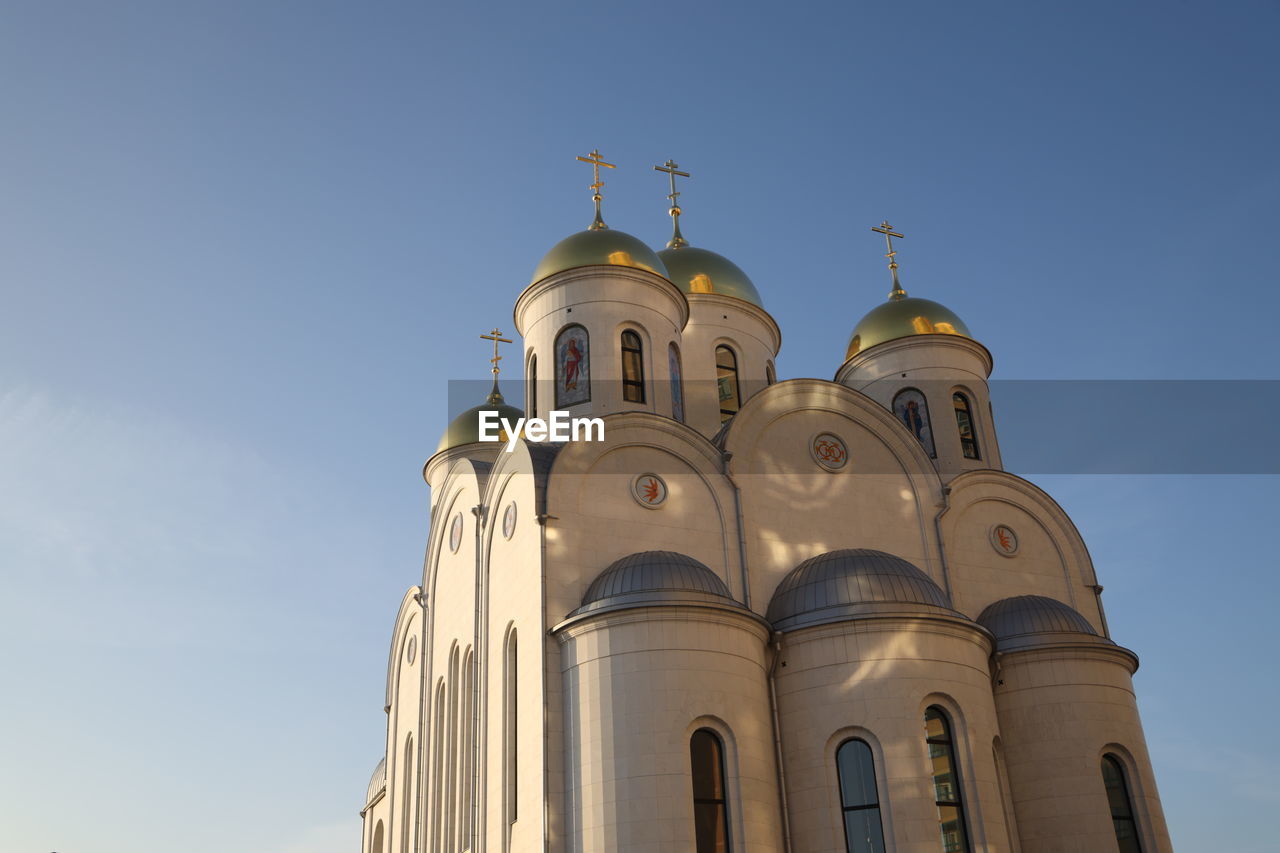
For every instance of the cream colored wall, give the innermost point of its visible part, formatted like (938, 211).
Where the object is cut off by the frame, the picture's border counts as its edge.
(637, 684)
(749, 331)
(937, 365)
(514, 602)
(1060, 711)
(1051, 559)
(885, 498)
(874, 679)
(605, 301)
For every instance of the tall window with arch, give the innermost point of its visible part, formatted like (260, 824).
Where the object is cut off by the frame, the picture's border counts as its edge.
(632, 367)
(965, 426)
(573, 366)
(406, 795)
(910, 407)
(727, 382)
(531, 396)
(1122, 817)
(437, 767)
(946, 782)
(710, 800)
(859, 800)
(677, 383)
(770, 374)
(377, 843)
(510, 743)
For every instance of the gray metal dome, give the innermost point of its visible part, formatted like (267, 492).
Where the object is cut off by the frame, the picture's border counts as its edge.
(1025, 620)
(655, 577)
(852, 582)
(377, 782)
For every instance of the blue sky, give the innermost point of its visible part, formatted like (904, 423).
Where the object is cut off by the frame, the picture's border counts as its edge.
(244, 247)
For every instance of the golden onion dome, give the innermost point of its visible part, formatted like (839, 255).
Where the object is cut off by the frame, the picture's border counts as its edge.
(903, 316)
(598, 246)
(695, 270)
(465, 428)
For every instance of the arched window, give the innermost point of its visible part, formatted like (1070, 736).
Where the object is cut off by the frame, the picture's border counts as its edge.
(438, 768)
(727, 382)
(531, 396)
(859, 801)
(377, 839)
(910, 407)
(677, 385)
(573, 366)
(946, 782)
(1122, 818)
(632, 368)
(510, 743)
(770, 375)
(710, 803)
(466, 727)
(406, 796)
(964, 423)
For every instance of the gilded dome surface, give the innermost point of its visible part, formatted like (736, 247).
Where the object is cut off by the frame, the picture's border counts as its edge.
(465, 428)
(602, 246)
(695, 270)
(902, 318)
(849, 583)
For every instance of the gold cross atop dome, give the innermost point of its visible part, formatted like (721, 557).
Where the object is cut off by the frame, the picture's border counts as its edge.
(671, 167)
(497, 338)
(596, 162)
(495, 396)
(887, 230)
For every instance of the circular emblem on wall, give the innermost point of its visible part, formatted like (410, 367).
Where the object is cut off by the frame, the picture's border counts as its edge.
(412, 651)
(829, 451)
(649, 490)
(455, 533)
(1004, 540)
(509, 520)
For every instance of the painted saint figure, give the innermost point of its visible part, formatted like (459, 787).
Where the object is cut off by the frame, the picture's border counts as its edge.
(573, 366)
(910, 408)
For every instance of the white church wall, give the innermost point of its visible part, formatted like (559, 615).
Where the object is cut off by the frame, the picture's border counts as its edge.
(1061, 709)
(877, 677)
(637, 684)
(747, 330)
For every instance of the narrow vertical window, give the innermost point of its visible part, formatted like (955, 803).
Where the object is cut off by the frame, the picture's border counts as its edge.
(510, 745)
(406, 796)
(1122, 818)
(964, 423)
(770, 375)
(710, 807)
(531, 398)
(466, 727)
(910, 407)
(677, 384)
(438, 768)
(632, 368)
(859, 800)
(377, 839)
(727, 382)
(573, 366)
(946, 782)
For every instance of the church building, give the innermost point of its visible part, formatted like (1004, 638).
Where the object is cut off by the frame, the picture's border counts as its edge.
(759, 615)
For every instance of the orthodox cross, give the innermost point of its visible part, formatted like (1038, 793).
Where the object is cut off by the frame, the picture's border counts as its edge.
(596, 162)
(497, 338)
(671, 167)
(887, 230)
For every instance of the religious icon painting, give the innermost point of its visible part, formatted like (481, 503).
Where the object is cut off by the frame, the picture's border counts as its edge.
(1004, 540)
(573, 367)
(649, 490)
(829, 451)
(509, 520)
(910, 408)
(455, 533)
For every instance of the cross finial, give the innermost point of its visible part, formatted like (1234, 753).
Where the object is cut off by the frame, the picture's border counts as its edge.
(671, 167)
(887, 230)
(596, 162)
(496, 336)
